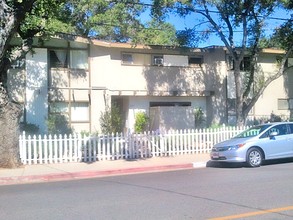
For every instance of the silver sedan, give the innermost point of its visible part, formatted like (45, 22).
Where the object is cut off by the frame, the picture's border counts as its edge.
(258, 143)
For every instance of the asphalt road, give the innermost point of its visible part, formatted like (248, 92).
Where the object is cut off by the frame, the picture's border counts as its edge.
(220, 192)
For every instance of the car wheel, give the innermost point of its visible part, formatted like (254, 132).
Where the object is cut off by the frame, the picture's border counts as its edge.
(254, 157)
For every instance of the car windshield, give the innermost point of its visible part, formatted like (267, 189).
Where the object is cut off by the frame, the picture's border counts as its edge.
(253, 131)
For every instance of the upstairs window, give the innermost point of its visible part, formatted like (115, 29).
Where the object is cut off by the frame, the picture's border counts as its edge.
(169, 104)
(60, 59)
(127, 58)
(158, 60)
(136, 59)
(79, 59)
(195, 61)
(285, 104)
(245, 64)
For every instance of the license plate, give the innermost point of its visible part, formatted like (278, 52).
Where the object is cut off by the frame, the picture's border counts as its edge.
(215, 155)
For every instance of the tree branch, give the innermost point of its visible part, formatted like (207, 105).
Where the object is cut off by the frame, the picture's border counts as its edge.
(254, 54)
(281, 71)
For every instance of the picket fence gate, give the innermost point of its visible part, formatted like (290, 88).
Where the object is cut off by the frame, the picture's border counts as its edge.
(44, 149)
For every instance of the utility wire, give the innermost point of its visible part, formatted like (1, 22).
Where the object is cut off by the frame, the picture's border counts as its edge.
(196, 10)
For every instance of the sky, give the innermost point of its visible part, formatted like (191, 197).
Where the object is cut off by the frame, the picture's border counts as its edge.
(190, 21)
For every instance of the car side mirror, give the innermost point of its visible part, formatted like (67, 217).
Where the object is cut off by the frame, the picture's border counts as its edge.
(273, 134)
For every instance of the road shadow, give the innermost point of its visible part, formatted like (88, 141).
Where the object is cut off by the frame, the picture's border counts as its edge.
(217, 164)
(277, 161)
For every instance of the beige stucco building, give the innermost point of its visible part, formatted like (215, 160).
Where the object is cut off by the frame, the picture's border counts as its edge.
(79, 77)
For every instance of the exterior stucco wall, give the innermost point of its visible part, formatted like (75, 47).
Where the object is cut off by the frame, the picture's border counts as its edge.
(107, 69)
(37, 88)
(99, 101)
(169, 119)
(215, 80)
(136, 85)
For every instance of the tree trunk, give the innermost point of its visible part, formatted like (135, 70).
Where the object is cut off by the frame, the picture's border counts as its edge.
(10, 114)
(240, 120)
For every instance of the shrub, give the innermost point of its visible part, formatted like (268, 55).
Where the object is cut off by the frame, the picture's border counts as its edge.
(275, 118)
(58, 124)
(29, 129)
(198, 117)
(141, 122)
(111, 120)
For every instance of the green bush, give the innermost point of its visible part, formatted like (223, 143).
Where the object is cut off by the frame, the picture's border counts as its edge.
(198, 117)
(111, 120)
(29, 129)
(58, 124)
(275, 118)
(141, 122)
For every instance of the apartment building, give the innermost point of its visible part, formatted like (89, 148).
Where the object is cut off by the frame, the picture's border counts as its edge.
(80, 78)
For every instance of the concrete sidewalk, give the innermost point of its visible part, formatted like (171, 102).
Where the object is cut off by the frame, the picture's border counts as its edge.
(69, 171)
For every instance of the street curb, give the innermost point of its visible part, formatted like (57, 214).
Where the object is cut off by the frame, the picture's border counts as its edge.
(94, 174)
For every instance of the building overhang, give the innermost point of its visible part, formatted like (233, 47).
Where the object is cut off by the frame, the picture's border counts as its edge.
(171, 93)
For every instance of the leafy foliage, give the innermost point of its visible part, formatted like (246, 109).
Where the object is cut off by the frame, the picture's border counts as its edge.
(157, 33)
(58, 124)
(198, 117)
(141, 122)
(117, 21)
(29, 129)
(111, 120)
(241, 25)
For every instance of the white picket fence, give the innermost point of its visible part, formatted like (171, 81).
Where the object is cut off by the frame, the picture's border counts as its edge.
(43, 149)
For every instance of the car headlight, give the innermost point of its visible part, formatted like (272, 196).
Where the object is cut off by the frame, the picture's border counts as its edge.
(235, 147)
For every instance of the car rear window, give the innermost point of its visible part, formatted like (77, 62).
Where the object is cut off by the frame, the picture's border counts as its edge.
(253, 131)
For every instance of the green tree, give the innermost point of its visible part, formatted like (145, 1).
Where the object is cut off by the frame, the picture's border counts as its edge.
(157, 33)
(243, 20)
(103, 19)
(24, 18)
(116, 21)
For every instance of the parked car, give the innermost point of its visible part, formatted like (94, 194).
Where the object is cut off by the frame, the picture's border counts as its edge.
(256, 144)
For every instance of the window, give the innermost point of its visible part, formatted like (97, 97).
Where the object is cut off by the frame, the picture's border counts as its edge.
(127, 58)
(59, 107)
(157, 104)
(195, 61)
(79, 111)
(158, 60)
(136, 59)
(78, 59)
(290, 104)
(58, 58)
(231, 106)
(283, 104)
(245, 64)
(280, 129)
